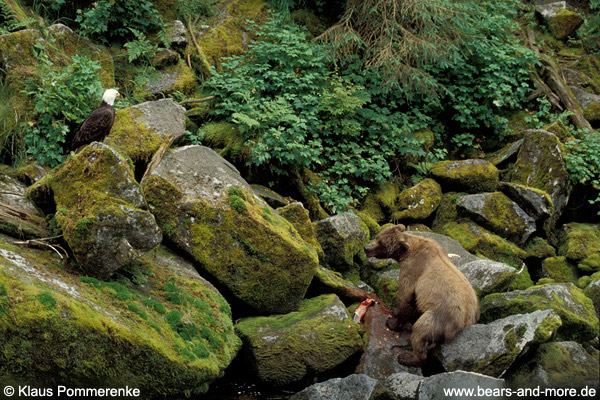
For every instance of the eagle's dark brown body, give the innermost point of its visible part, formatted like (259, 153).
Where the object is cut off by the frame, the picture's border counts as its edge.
(95, 128)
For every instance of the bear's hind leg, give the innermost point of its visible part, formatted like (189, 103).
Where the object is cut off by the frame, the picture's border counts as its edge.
(425, 335)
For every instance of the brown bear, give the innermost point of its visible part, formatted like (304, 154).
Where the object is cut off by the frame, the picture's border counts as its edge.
(431, 290)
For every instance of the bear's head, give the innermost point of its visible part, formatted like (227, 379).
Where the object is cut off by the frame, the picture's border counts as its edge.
(389, 243)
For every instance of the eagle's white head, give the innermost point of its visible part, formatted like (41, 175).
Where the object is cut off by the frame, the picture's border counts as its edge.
(109, 96)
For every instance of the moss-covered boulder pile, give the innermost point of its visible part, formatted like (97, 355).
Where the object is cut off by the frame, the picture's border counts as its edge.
(100, 210)
(472, 176)
(561, 21)
(579, 321)
(499, 214)
(558, 269)
(559, 364)
(418, 202)
(491, 349)
(158, 326)
(540, 164)
(140, 130)
(534, 202)
(289, 348)
(205, 208)
(342, 237)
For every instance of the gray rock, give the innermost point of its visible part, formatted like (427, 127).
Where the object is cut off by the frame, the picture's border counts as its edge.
(165, 57)
(506, 154)
(18, 215)
(353, 387)
(559, 365)
(457, 253)
(477, 386)
(341, 237)
(550, 9)
(575, 309)
(499, 214)
(209, 211)
(561, 21)
(487, 276)
(403, 386)
(163, 117)
(535, 202)
(540, 164)
(590, 103)
(177, 33)
(491, 349)
(274, 199)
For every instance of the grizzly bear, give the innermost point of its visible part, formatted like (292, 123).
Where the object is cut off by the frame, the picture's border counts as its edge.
(431, 290)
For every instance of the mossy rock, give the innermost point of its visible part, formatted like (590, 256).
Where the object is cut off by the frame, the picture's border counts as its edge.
(418, 202)
(174, 78)
(342, 237)
(172, 331)
(499, 214)
(289, 348)
(327, 281)
(589, 65)
(577, 312)
(140, 130)
(580, 243)
(559, 270)
(539, 248)
(99, 209)
(383, 201)
(385, 284)
(483, 243)
(297, 215)
(564, 23)
(447, 211)
(206, 209)
(228, 36)
(371, 223)
(540, 164)
(592, 291)
(225, 139)
(558, 364)
(18, 216)
(472, 176)
(559, 129)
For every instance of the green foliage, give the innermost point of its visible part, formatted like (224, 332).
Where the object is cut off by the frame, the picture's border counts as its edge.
(9, 22)
(62, 99)
(583, 161)
(590, 32)
(194, 8)
(141, 50)
(46, 299)
(489, 75)
(295, 113)
(114, 20)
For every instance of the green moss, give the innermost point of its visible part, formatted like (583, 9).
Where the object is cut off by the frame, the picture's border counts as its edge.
(312, 340)
(237, 203)
(579, 321)
(41, 344)
(371, 223)
(481, 242)
(472, 176)
(298, 216)
(372, 209)
(579, 241)
(559, 270)
(418, 202)
(590, 264)
(226, 140)
(132, 137)
(564, 23)
(446, 211)
(237, 248)
(539, 248)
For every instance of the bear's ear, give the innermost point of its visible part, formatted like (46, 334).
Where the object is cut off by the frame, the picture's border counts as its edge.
(400, 228)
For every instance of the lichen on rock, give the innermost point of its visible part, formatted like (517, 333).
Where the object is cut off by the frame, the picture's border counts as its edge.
(205, 208)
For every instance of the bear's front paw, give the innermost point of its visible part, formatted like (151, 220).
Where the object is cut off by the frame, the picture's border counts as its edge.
(409, 360)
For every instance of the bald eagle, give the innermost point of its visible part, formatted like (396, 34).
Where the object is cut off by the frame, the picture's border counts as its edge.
(97, 125)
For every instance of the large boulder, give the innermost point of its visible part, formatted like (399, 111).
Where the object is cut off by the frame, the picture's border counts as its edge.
(159, 327)
(18, 215)
(465, 384)
(355, 387)
(404, 385)
(590, 104)
(579, 321)
(418, 202)
(534, 202)
(298, 216)
(491, 349)
(558, 269)
(471, 176)
(342, 237)
(141, 129)
(561, 21)
(540, 164)
(208, 210)
(499, 214)
(288, 348)
(100, 210)
(559, 365)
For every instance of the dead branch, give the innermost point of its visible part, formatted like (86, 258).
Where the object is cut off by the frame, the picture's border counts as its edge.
(192, 101)
(43, 244)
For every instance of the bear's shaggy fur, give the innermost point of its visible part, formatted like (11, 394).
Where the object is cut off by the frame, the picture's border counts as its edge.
(431, 290)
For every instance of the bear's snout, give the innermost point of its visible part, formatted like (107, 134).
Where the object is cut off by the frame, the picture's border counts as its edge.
(369, 249)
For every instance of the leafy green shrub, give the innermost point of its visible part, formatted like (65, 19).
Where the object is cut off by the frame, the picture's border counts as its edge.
(62, 100)
(140, 50)
(114, 20)
(583, 162)
(194, 8)
(295, 113)
(590, 32)
(8, 20)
